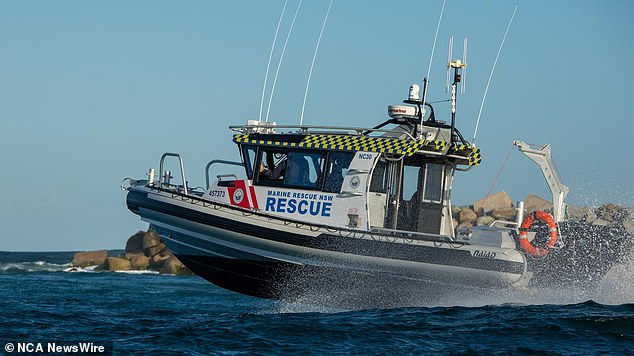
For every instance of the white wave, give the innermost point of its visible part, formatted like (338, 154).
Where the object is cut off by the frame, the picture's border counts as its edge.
(37, 266)
(43, 266)
(143, 271)
(11, 266)
(93, 269)
(89, 269)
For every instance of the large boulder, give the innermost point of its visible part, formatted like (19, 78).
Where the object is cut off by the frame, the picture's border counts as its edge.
(151, 239)
(90, 258)
(507, 214)
(535, 203)
(455, 210)
(582, 214)
(135, 243)
(468, 216)
(485, 220)
(117, 264)
(157, 261)
(601, 222)
(493, 201)
(152, 243)
(138, 261)
(464, 226)
(173, 266)
(155, 250)
(611, 213)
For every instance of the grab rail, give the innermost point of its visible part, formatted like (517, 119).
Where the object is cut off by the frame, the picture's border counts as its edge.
(180, 160)
(221, 161)
(307, 129)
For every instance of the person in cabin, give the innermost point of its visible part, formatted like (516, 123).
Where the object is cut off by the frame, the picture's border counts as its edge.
(275, 173)
(297, 171)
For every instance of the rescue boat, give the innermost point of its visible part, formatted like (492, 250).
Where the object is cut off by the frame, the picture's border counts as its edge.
(351, 212)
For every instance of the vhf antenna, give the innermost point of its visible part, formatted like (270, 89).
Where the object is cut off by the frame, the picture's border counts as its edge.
(456, 64)
(431, 58)
(463, 87)
(312, 64)
(268, 65)
(486, 90)
(279, 64)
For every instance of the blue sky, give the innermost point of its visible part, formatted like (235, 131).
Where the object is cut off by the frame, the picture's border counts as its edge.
(95, 91)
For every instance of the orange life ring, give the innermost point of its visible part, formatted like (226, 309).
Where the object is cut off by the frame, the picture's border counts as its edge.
(552, 233)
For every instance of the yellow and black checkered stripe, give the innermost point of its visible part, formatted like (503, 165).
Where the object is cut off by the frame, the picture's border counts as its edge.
(436, 146)
(470, 152)
(344, 143)
(363, 143)
(475, 158)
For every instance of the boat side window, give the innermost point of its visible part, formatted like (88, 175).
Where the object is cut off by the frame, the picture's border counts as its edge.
(338, 163)
(378, 184)
(248, 159)
(432, 190)
(304, 169)
(410, 182)
(408, 204)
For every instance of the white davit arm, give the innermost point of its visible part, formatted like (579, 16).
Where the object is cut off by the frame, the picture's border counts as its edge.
(545, 161)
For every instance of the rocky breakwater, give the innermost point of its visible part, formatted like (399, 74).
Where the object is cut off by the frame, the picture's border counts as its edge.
(591, 239)
(144, 251)
(499, 206)
(495, 207)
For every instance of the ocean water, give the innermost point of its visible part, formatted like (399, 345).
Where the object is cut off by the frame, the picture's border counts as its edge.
(42, 302)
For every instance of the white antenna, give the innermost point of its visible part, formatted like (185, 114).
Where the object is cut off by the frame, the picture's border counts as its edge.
(475, 132)
(310, 73)
(279, 64)
(268, 65)
(433, 48)
(463, 87)
(449, 61)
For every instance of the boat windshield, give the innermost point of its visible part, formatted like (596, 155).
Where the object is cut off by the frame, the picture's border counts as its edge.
(292, 169)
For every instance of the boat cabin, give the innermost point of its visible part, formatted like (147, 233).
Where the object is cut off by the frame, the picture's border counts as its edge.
(375, 180)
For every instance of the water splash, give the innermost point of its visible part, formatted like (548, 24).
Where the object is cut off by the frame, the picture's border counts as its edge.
(599, 268)
(617, 286)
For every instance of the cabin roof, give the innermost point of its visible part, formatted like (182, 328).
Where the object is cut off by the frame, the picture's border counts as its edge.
(462, 153)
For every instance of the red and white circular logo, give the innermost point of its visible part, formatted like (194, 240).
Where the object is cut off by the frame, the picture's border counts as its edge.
(238, 195)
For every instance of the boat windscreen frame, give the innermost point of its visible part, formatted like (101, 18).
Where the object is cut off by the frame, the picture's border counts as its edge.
(249, 165)
(424, 162)
(426, 180)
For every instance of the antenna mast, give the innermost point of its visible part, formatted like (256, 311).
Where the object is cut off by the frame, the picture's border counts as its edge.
(312, 64)
(268, 65)
(456, 64)
(486, 90)
(279, 64)
(431, 58)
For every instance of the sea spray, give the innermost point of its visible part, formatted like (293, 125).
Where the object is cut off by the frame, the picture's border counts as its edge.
(617, 286)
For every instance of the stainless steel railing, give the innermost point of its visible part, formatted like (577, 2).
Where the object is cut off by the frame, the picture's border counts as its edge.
(220, 161)
(165, 180)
